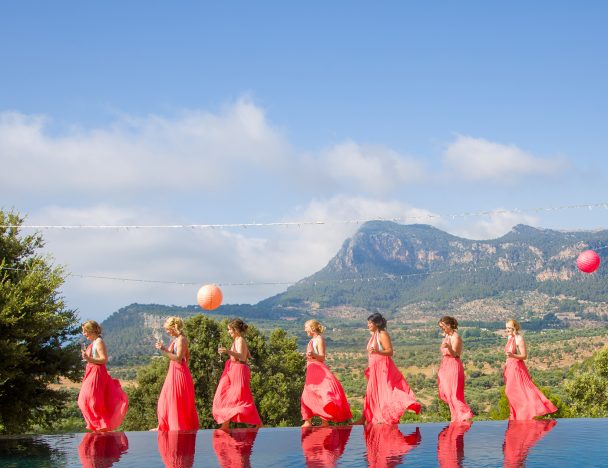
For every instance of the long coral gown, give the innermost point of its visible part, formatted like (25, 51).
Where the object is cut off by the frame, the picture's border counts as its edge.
(388, 394)
(101, 400)
(450, 380)
(176, 409)
(233, 400)
(323, 394)
(520, 437)
(526, 401)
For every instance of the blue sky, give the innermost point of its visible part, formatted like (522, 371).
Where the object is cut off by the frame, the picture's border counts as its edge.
(171, 113)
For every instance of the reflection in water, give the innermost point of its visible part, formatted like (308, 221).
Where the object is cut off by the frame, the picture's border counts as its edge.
(233, 448)
(177, 448)
(450, 444)
(24, 451)
(322, 446)
(102, 449)
(521, 436)
(386, 445)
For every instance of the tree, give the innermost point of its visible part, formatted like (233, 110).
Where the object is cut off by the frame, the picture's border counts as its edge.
(277, 375)
(36, 331)
(588, 387)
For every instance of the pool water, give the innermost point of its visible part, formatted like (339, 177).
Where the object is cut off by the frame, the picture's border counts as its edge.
(565, 442)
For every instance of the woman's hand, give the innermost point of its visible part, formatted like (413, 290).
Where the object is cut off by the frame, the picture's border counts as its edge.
(83, 353)
(160, 345)
(222, 350)
(372, 350)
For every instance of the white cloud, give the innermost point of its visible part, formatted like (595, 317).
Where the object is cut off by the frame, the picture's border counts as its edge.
(196, 149)
(478, 159)
(373, 169)
(271, 255)
(493, 225)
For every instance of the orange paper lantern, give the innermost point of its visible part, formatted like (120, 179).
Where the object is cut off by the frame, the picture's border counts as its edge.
(209, 296)
(588, 261)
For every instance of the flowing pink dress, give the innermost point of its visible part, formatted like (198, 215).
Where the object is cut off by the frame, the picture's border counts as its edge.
(526, 401)
(450, 444)
(323, 394)
(176, 410)
(388, 394)
(323, 446)
(450, 380)
(386, 445)
(101, 399)
(520, 437)
(233, 400)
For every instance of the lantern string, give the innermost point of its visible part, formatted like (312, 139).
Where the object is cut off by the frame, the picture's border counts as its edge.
(406, 218)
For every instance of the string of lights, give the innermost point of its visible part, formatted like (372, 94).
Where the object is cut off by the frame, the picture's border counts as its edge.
(407, 218)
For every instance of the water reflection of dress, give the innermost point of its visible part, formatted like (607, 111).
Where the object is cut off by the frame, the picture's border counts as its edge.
(388, 394)
(450, 444)
(234, 448)
(177, 448)
(323, 446)
(521, 436)
(386, 445)
(102, 449)
(525, 400)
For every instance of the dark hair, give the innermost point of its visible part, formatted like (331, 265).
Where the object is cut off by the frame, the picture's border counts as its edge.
(238, 325)
(378, 320)
(449, 321)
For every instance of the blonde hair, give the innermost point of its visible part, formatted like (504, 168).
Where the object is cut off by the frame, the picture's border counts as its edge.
(174, 323)
(515, 324)
(315, 326)
(92, 326)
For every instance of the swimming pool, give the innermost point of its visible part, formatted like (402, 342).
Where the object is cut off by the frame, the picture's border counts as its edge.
(564, 442)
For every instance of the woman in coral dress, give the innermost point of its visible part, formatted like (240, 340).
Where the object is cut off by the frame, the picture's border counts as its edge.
(526, 401)
(450, 377)
(101, 399)
(176, 409)
(233, 400)
(388, 394)
(323, 394)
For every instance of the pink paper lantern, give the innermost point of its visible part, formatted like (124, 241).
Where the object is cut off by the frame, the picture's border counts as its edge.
(588, 261)
(209, 296)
